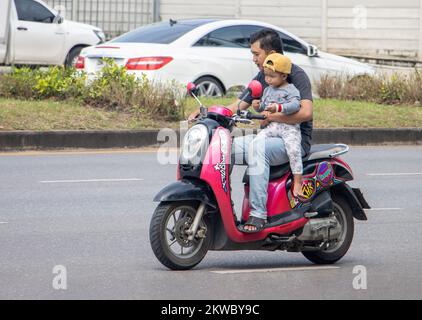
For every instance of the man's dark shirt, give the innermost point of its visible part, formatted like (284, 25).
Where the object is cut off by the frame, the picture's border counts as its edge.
(301, 81)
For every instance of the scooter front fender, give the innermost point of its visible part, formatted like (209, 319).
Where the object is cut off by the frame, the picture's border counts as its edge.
(187, 190)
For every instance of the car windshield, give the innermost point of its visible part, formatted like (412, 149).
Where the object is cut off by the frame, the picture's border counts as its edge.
(162, 32)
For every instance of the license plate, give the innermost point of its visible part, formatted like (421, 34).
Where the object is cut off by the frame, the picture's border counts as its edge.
(99, 64)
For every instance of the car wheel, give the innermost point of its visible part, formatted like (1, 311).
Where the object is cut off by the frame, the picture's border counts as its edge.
(209, 87)
(72, 57)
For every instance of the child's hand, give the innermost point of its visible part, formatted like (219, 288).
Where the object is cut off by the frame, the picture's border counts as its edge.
(273, 107)
(256, 104)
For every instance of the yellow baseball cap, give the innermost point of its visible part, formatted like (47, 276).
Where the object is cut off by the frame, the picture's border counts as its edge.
(278, 63)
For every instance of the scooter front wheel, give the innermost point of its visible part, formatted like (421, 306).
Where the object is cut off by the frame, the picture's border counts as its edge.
(169, 239)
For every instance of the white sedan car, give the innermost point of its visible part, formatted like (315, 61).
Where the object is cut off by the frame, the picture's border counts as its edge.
(214, 54)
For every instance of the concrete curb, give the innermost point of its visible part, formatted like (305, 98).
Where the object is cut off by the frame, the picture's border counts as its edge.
(29, 140)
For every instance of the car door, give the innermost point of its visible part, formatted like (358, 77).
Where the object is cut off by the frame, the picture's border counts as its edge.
(37, 38)
(4, 28)
(225, 53)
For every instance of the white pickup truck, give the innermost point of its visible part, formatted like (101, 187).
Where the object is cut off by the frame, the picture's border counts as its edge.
(31, 33)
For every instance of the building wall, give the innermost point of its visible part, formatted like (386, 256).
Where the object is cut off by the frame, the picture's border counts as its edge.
(390, 28)
(113, 16)
(361, 27)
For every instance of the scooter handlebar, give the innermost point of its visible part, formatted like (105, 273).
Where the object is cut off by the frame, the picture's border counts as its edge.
(255, 116)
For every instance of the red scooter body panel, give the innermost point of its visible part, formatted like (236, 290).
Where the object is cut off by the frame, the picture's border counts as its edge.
(342, 162)
(277, 203)
(215, 171)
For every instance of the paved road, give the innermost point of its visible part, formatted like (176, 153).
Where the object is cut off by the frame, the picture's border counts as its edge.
(98, 230)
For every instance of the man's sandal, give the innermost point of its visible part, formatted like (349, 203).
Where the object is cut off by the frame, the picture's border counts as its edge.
(257, 223)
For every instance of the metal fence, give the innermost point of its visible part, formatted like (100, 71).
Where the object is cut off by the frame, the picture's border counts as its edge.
(113, 16)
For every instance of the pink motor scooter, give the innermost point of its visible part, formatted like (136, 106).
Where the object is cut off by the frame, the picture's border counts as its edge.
(195, 214)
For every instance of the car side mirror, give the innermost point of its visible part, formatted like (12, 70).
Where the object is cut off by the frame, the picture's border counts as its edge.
(312, 51)
(58, 19)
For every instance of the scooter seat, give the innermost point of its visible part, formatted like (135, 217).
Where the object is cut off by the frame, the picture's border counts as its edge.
(276, 172)
(326, 151)
(318, 151)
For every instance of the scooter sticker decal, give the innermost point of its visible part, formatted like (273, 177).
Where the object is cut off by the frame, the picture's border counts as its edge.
(293, 202)
(222, 167)
(308, 188)
(325, 174)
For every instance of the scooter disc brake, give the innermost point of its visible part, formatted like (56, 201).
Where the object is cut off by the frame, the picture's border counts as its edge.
(181, 228)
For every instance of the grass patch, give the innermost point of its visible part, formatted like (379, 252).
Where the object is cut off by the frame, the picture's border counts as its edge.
(48, 115)
(395, 89)
(332, 113)
(329, 113)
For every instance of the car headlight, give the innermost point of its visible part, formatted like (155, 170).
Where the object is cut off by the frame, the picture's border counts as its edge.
(194, 144)
(100, 35)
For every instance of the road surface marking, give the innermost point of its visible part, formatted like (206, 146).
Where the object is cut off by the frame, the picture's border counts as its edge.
(84, 152)
(1, 222)
(274, 270)
(394, 174)
(385, 209)
(93, 180)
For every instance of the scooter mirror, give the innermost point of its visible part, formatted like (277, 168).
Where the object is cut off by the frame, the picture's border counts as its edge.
(255, 88)
(192, 90)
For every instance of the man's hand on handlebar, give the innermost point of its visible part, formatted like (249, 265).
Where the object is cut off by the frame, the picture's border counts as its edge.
(192, 117)
(256, 104)
(266, 121)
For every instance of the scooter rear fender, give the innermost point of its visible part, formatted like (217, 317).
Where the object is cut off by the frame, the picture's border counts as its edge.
(187, 190)
(355, 198)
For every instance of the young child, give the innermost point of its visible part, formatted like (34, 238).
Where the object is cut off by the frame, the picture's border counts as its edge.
(280, 96)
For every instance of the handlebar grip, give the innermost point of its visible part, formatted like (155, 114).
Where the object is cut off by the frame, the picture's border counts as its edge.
(255, 116)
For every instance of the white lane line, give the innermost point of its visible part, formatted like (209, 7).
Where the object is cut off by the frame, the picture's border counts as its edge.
(394, 174)
(274, 270)
(93, 180)
(384, 209)
(84, 152)
(1, 222)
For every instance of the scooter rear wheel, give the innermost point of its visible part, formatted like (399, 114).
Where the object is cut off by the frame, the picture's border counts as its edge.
(344, 215)
(169, 240)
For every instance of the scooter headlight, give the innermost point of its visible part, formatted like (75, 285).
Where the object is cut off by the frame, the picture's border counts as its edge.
(194, 144)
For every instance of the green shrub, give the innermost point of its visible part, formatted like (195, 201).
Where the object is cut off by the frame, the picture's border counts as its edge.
(380, 88)
(59, 83)
(113, 89)
(55, 82)
(19, 84)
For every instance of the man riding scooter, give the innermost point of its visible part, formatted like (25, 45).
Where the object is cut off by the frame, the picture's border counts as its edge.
(196, 213)
(272, 151)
